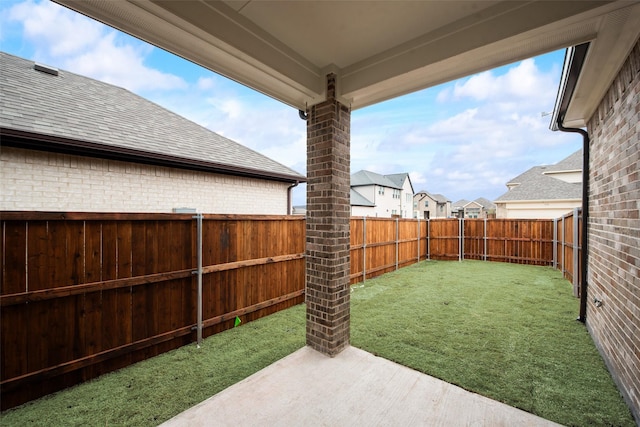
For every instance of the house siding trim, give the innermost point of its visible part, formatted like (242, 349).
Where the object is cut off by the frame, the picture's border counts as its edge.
(21, 139)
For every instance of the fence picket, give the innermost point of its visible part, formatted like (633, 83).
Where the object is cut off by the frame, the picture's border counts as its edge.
(90, 293)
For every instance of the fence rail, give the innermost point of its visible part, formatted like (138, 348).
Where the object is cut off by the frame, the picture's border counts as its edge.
(84, 294)
(87, 293)
(380, 245)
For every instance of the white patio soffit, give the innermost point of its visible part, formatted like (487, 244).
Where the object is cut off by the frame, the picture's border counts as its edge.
(377, 49)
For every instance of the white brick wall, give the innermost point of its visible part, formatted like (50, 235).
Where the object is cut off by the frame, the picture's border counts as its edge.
(34, 180)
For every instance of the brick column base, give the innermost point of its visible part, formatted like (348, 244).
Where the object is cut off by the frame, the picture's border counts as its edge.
(328, 214)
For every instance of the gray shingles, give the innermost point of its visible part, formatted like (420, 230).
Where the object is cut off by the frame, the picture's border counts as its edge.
(571, 163)
(79, 108)
(364, 177)
(485, 203)
(439, 198)
(460, 204)
(535, 184)
(358, 199)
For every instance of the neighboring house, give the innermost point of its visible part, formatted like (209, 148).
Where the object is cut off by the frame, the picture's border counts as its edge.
(544, 191)
(457, 208)
(360, 205)
(488, 209)
(478, 208)
(384, 196)
(429, 206)
(71, 143)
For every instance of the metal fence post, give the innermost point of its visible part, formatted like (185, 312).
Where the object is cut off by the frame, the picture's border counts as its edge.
(574, 278)
(461, 239)
(428, 239)
(418, 239)
(555, 243)
(485, 239)
(198, 218)
(397, 240)
(562, 247)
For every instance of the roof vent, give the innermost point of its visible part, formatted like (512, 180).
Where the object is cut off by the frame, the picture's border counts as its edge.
(45, 69)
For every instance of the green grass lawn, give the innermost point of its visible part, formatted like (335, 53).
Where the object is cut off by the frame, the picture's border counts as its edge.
(154, 390)
(504, 331)
(501, 330)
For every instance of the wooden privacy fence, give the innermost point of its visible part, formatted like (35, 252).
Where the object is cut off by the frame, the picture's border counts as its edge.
(380, 245)
(87, 293)
(84, 294)
(568, 247)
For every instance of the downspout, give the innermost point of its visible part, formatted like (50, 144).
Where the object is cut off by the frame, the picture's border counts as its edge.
(585, 214)
(289, 197)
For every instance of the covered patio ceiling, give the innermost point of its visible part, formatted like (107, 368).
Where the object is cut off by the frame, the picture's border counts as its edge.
(377, 49)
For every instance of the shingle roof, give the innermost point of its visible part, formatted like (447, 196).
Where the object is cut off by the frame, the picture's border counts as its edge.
(535, 185)
(486, 203)
(460, 203)
(570, 163)
(363, 177)
(358, 199)
(399, 179)
(72, 107)
(439, 198)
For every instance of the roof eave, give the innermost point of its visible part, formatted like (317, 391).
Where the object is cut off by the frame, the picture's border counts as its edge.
(577, 199)
(573, 61)
(35, 141)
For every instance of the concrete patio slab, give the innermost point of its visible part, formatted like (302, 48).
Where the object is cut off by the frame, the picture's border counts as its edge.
(354, 388)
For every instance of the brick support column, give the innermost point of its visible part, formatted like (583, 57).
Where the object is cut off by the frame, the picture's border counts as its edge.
(328, 214)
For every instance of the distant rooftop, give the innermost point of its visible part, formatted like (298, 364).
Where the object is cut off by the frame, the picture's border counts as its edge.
(358, 199)
(364, 177)
(538, 184)
(571, 163)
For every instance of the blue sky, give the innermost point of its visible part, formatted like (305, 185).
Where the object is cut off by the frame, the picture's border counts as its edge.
(464, 139)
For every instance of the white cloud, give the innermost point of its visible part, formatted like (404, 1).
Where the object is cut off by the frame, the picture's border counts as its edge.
(253, 120)
(231, 108)
(206, 83)
(463, 140)
(68, 40)
(487, 129)
(48, 25)
(417, 178)
(524, 81)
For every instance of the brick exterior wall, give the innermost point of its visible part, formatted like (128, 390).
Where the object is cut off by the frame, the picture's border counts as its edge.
(36, 180)
(614, 230)
(328, 213)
